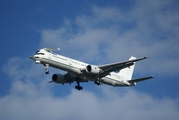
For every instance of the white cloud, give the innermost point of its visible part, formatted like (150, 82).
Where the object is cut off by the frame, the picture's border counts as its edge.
(30, 98)
(87, 105)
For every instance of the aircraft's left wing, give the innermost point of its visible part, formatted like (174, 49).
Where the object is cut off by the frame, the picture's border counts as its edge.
(107, 68)
(70, 78)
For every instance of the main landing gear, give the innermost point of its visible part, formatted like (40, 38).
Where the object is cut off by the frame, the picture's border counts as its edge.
(78, 87)
(46, 69)
(97, 82)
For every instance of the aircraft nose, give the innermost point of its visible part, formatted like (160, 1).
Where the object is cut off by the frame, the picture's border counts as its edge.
(31, 57)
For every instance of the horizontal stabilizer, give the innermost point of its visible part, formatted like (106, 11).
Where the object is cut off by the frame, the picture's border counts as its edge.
(140, 79)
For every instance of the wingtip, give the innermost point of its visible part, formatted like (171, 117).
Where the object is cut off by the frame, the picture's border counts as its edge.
(50, 81)
(150, 77)
(145, 57)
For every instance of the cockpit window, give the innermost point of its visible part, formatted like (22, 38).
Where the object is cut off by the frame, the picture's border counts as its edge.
(37, 51)
(40, 53)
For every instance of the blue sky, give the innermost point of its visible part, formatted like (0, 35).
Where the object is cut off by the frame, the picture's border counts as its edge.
(96, 32)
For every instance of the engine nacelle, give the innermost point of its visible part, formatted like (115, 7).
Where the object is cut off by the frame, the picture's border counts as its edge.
(93, 69)
(58, 78)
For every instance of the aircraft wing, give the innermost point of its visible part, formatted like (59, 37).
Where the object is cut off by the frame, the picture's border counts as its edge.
(141, 79)
(107, 68)
(70, 78)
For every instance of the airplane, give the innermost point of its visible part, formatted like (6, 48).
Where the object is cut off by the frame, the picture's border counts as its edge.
(114, 74)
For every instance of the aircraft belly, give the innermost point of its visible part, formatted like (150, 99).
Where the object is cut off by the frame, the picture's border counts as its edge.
(112, 82)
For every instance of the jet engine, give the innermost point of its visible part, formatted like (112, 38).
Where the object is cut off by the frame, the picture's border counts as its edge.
(93, 69)
(58, 78)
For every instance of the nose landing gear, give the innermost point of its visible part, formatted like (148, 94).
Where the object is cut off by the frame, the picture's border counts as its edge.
(46, 69)
(97, 82)
(79, 87)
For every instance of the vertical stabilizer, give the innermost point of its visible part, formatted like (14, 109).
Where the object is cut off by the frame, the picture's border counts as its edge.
(127, 72)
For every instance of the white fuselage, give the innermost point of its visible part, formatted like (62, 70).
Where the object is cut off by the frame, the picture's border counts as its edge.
(75, 67)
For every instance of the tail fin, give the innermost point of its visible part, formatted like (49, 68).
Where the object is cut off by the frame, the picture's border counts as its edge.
(127, 72)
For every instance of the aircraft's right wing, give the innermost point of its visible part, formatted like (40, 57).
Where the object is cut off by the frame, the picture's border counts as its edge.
(118, 66)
